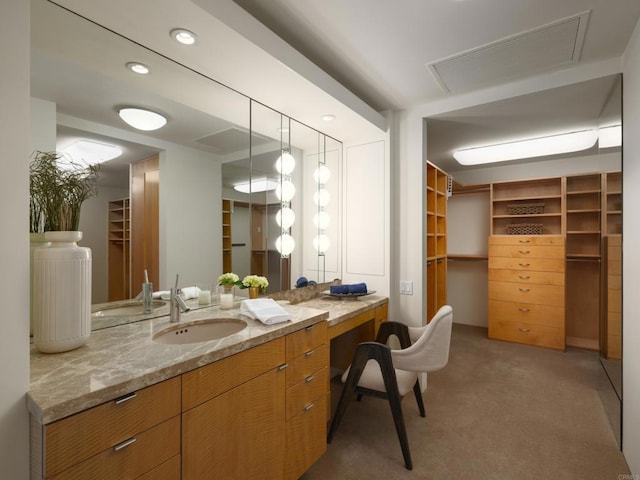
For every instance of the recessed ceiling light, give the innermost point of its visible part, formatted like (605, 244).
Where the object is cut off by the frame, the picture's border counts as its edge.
(88, 152)
(142, 119)
(328, 117)
(139, 68)
(528, 148)
(184, 36)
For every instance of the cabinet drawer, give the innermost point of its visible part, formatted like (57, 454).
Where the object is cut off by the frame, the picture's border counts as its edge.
(146, 450)
(306, 339)
(169, 470)
(535, 277)
(527, 313)
(306, 437)
(73, 439)
(527, 264)
(525, 240)
(209, 381)
(306, 364)
(307, 392)
(526, 252)
(527, 293)
(531, 334)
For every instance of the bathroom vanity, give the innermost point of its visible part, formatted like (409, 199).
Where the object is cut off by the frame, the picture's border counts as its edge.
(254, 404)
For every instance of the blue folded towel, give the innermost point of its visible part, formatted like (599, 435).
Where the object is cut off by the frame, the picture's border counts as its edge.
(339, 289)
(358, 288)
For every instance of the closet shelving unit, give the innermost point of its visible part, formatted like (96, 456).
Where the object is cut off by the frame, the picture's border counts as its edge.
(119, 251)
(437, 185)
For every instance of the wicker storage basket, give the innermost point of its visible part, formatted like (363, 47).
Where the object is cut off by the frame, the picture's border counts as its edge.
(524, 229)
(525, 208)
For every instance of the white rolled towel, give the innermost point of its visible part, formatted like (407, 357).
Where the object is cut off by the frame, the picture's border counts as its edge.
(190, 292)
(265, 310)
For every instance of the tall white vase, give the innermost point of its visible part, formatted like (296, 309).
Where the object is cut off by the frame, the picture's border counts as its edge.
(62, 287)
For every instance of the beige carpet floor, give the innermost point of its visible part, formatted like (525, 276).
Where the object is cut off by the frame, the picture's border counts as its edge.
(498, 410)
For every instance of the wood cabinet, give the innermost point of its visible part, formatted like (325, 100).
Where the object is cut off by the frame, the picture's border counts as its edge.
(437, 188)
(526, 289)
(130, 437)
(307, 398)
(119, 258)
(227, 210)
(145, 222)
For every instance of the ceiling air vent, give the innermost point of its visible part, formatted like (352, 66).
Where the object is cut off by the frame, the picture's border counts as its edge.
(528, 53)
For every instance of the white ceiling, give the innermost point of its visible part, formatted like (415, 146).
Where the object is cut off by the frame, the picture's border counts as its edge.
(381, 51)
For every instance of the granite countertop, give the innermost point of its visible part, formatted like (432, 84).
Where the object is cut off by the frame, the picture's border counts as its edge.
(124, 358)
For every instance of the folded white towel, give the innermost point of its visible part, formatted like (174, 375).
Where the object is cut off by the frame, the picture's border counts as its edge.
(187, 293)
(265, 310)
(163, 294)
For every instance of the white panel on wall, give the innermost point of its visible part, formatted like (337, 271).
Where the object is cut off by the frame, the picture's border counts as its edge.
(468, 223)
(364, 207)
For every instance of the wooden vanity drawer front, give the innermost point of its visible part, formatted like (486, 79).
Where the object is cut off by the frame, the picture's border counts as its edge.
(523, 240)
(526, 251)
(307, 364)
(527, 293)
(527, 313)
(527, 264)
(306, 438)
(209, 381)
(149, 449)
(76, 438)
(302, 395)
(534, 277)
(532, 334)
(306, 339)
(169, 470)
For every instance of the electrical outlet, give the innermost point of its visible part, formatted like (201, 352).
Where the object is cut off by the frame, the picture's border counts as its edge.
(406, 287)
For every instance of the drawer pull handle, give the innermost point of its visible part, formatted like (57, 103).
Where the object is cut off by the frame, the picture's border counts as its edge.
(283, 366)
(524, 252)
(524, 241)
(125, 398)
(308, 329)
(524, 264)
(522, 309)
(524, 277)
(524, 289)
(309, 378)
(524, 330)
(309, 353)
(309, 407)
(124, 444)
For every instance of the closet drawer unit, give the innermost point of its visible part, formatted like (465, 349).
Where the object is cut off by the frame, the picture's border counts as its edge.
(307, 364)
(132, 457)
(528, 333)
(527, 313)
(74, 439)
(525, 240)
(527, 293)
(527, 264)
(534, 277)
(526, 252)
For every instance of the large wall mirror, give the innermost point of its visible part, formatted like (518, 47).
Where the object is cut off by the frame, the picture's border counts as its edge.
(183, 182)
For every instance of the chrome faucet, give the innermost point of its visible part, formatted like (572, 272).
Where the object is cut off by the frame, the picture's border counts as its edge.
(177, 305)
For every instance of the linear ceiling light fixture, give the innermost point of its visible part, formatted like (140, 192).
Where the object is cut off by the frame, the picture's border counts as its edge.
(255, 186)
(528, 148)
(610, 136)
(142, 119)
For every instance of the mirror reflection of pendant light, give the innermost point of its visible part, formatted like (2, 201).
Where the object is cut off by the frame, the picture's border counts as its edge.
(285, 164)
(322, 174)
(322, 197)
(142, 119)
(321, 220)
(285, 218)
(285, 244)
(321, 243)
(285, 191)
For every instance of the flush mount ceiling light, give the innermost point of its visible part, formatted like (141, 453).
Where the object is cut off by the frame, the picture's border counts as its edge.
(528, 148)
(88, 152)
(328, 117)
(142, 119)
(610, 136)
(184, 36)
(255, 186)
(139, 68)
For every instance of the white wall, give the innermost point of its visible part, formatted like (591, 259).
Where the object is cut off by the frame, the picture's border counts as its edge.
(14, 187)
(631, 255)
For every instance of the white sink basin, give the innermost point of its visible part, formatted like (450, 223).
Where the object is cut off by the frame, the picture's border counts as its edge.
(124, 309)
(201, 331)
